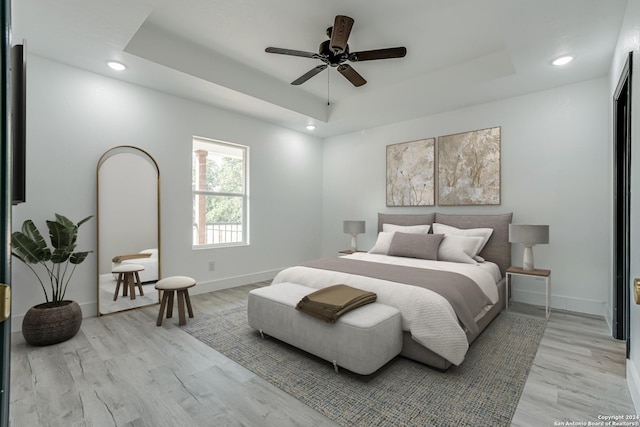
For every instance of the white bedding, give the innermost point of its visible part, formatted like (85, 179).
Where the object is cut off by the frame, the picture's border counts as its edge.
(425, 314)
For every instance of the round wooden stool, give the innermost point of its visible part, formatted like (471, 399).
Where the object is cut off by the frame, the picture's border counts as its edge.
(169, 286)
(126, 273)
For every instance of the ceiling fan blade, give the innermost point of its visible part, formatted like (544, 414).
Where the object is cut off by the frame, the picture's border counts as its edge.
(291, 52)
(306, 76)
(340, 33)
(369, 55)
(351, 75)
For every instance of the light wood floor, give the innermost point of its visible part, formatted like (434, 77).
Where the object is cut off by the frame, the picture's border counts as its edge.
(578, 373)
(123, 370)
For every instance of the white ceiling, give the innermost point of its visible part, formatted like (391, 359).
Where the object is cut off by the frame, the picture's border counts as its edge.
(459, 52)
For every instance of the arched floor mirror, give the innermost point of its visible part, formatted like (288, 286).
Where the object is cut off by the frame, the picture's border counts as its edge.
(128, 195)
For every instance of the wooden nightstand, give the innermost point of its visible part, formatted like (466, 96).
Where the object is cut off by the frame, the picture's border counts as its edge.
(543, 274)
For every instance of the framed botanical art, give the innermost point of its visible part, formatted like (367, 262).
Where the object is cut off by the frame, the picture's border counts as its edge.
(469, 168)
(410, 173)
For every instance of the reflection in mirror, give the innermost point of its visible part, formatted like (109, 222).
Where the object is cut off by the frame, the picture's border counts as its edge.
(128, 229)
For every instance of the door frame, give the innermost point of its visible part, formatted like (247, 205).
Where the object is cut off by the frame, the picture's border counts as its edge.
(5, 207)
(622, 203)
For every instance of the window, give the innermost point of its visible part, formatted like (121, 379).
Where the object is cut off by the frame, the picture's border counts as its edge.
(220, 193)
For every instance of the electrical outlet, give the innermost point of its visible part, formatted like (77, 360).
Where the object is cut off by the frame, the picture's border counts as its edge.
(212, 266)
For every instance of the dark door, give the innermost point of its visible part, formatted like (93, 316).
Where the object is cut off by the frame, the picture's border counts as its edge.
(5, 204)
(622, 209)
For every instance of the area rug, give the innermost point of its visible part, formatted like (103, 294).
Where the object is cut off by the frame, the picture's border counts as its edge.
(483, 391)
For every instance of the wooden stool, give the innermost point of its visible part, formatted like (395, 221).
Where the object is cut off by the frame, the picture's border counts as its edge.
(169, 286)
(126, 273)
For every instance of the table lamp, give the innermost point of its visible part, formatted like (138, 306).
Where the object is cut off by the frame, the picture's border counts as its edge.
(529, 236)
(354, 228)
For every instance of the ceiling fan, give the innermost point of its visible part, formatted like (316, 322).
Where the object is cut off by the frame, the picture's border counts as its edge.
(335, 52)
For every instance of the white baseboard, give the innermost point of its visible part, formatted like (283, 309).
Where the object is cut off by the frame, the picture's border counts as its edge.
(578, 305)
(608, 312)
(232, 282)
(90, 309)
(633, 382)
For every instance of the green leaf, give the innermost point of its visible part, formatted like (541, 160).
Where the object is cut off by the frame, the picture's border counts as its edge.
(64, 221)
(84, 220)
(62, 237)
(31, 231)
(60, 255)
(27, 249)
(78, 257)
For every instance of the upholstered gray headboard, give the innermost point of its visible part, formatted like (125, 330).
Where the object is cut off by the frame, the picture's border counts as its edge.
(497, 249)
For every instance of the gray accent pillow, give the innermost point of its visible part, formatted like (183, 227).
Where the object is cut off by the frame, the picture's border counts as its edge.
(423, 246)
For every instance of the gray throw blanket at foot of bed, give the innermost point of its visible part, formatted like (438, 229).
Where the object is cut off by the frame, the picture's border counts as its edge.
(332, 302)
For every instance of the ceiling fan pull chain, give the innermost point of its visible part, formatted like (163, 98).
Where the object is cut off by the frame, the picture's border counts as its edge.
(328, 75)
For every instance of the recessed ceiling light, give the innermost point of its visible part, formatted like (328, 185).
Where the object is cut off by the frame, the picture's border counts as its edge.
(563, 60)
(311, 127)
(118, 66)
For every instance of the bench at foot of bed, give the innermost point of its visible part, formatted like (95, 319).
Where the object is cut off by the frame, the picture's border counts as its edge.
(362, 340)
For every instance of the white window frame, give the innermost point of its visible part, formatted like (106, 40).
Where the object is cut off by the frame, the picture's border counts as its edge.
(208, 145)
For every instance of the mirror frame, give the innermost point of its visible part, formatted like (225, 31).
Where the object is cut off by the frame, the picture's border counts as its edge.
(126, 149)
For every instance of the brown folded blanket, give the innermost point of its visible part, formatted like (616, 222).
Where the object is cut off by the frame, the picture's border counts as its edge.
(332, 302)
(120, 258)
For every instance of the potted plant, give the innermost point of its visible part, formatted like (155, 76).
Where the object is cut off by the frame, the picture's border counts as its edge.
(57, 319)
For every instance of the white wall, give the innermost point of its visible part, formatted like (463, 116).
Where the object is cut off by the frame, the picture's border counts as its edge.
(75, 116)
(555, 170)
(629, 41)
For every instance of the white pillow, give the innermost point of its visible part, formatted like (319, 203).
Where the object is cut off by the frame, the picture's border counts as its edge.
(459, 248)
(414, 229)
(485, 233)
(153, 252)
(383, 243)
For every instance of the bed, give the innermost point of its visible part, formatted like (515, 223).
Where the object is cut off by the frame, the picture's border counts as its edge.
(434, 333)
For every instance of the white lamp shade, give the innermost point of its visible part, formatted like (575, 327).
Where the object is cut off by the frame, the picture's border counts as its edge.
(353, 227)
(529, 234)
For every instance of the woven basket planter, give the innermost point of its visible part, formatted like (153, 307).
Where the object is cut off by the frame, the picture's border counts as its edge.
(49, 323)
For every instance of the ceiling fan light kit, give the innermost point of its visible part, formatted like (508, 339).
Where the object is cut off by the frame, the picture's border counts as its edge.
(335, 52)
